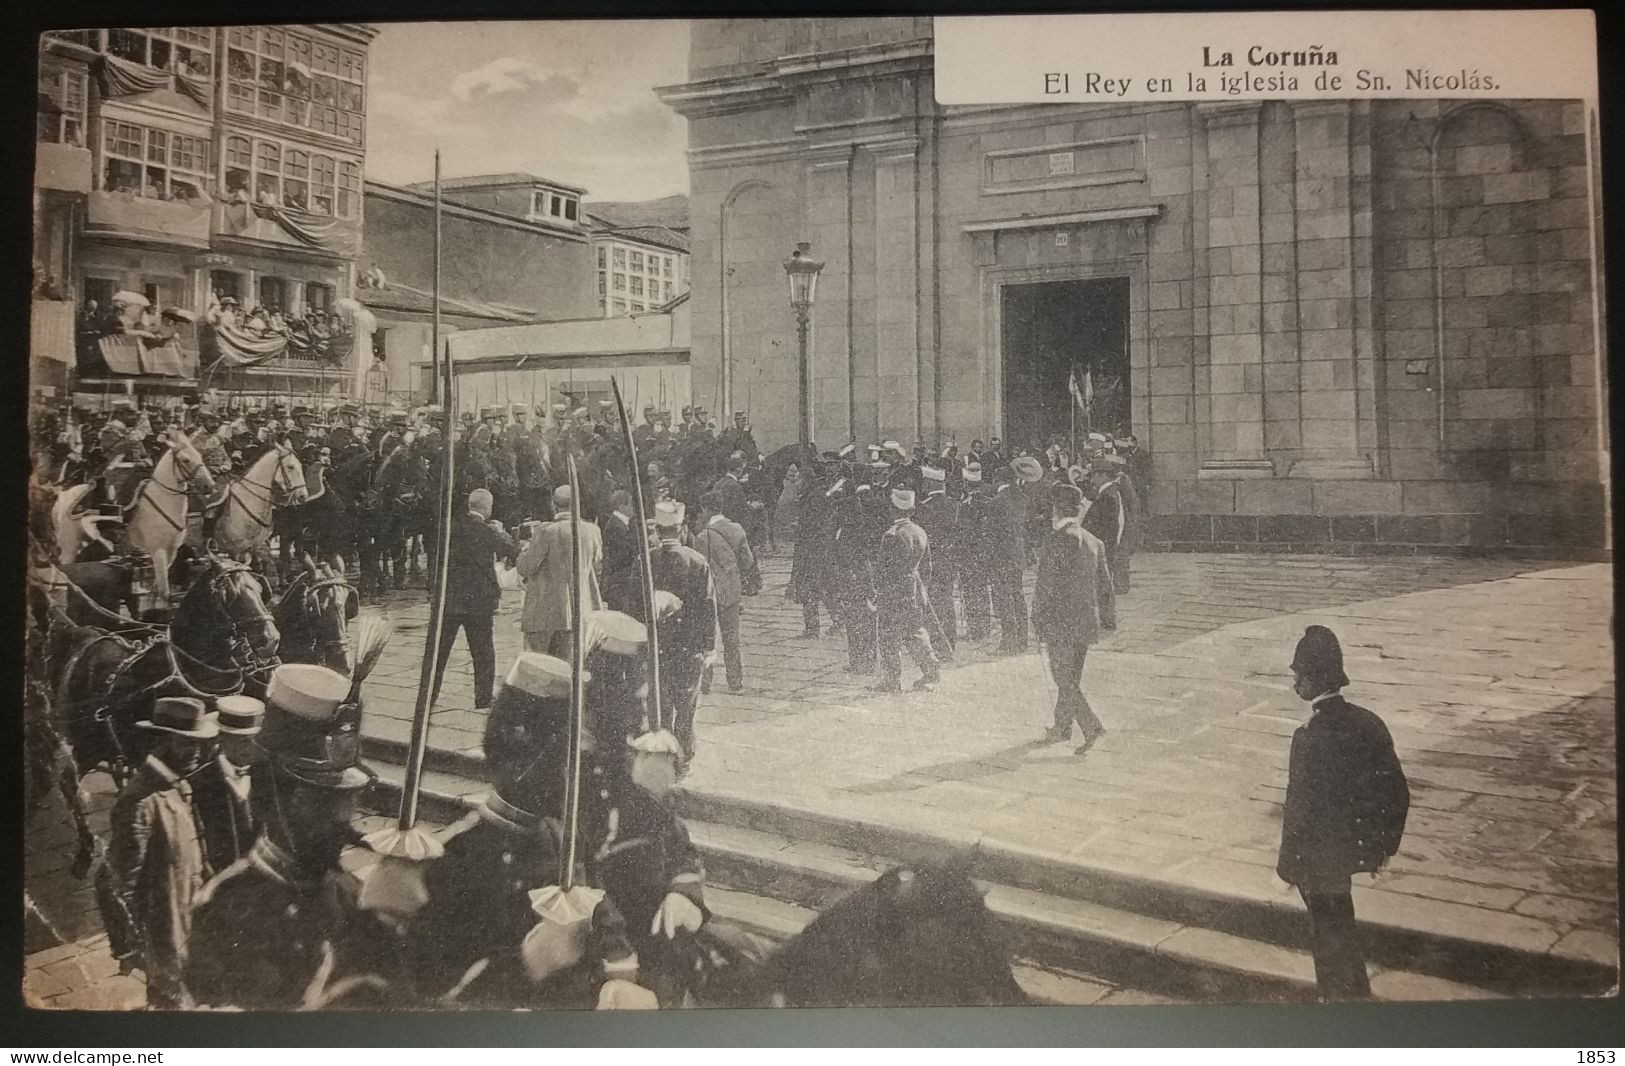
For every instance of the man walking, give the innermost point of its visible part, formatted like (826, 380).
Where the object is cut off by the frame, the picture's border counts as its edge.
(687, 635)
(545, 567)
(473, 595)
(727, 549)
(1345, 810)
(221, 787)
(1073, 603)
(939, 518)
(900, 598)
(1009, 563)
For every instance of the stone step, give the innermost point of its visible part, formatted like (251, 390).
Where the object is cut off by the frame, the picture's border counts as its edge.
(1454, 942)
(1053, 936)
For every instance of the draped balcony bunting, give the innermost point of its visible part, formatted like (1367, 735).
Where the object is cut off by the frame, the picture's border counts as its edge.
(196, 88)
(231, 346)
(325, 344)
(120, 77)
(311, 230)
(141, 353)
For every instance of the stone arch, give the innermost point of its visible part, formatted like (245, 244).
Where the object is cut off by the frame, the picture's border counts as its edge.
(758, 368)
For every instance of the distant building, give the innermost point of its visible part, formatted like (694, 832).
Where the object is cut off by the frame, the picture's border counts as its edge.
(1335, 324)
(183, 164)
(497, 266)
(523, 196)
(640, 268)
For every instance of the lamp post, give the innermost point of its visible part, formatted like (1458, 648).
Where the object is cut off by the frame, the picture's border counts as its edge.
(803, 271)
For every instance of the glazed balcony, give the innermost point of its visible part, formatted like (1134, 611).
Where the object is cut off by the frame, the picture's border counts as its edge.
(128, 216)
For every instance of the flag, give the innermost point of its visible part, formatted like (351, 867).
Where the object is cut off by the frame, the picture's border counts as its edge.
(1085, 397)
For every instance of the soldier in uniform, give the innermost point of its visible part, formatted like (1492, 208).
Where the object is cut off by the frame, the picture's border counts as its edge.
(468, 943)
(642, 435)
(938, 516)
(738, 437)
(123, 447)
(282, 928)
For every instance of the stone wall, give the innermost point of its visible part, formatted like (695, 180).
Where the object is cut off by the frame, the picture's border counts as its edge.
(1354, 325)
(482, 260)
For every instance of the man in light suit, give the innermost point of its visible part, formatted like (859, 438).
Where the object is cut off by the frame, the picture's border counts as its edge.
(1073, 603)
(900, 598)
(544, 566)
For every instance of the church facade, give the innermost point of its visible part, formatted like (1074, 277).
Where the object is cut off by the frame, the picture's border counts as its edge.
(1335, 325)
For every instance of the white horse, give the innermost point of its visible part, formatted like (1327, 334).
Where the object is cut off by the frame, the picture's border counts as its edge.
(156, 522)
(76, 524)
(277, 479)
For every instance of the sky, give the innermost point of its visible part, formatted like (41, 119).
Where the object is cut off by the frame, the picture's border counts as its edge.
(571, 101)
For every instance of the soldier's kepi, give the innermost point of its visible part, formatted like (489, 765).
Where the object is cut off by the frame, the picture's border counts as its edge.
(282, 928)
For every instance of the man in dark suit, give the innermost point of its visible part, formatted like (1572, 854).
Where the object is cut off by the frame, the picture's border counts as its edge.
(472, 593)
(939, 517)
(978, 533)
(623, 575)
(687, 635)
(1009, 562)
(730, 489)
(1073, 603)
(900, 598)
(1106, 518)
(1345, 809)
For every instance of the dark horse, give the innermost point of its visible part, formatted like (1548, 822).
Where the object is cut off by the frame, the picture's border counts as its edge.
(95, 682)
(918, 936)
(397, 484)
(313, 617)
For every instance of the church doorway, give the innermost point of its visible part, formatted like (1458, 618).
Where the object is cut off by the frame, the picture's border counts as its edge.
(1056, 332)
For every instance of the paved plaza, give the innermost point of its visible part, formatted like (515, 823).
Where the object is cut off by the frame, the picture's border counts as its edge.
(1496, 678)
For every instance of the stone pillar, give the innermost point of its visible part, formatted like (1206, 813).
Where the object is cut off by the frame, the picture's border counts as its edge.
(896, 290)
(829, 226)
(1234, 379)
(1336, 372)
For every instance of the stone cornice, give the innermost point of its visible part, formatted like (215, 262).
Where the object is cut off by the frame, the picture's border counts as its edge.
(775, 82)
(1073, 218)
(1230, 113)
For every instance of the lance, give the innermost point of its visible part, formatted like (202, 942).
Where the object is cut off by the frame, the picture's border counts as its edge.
(646, 565)
(407, 840)
(564, 911)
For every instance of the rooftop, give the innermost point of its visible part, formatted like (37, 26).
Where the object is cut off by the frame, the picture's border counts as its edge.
(395, 296)
(491, 181)
(415, 194)
(659, 236)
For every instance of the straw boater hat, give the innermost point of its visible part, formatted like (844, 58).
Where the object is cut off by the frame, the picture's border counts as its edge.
(1027, 468)
(934, 473)
(972, 472)
(182, 716)
(545, 677)
(241, 716)
(902, 499)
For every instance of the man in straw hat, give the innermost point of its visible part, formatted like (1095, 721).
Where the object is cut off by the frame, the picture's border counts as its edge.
(1107, 519)
(156, 859)
(545, 566)
(1346, 805)
(1073, 604)
(901, 599)
(282, 928)
(222, 784)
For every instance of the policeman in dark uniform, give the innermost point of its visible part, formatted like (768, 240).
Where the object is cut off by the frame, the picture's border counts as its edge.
(282, 928)
(852, 552)
(980, 530)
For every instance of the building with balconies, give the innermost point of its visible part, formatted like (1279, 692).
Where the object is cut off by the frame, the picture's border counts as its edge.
(188, 165)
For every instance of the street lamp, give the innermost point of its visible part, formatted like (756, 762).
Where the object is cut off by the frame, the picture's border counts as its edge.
(803, 272)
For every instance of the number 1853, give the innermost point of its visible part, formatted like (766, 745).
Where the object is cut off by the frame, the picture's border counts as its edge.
(1595, 1058)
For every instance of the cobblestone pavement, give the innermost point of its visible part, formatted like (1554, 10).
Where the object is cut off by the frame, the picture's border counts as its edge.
(1496, 678)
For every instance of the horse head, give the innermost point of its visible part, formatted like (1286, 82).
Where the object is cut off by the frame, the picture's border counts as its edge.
(315, 613)
(189, 466)
(288, 483)
(915, 936)
(226, 607)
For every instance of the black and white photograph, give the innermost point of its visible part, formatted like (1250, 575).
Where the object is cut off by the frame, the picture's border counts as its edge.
(706, 513)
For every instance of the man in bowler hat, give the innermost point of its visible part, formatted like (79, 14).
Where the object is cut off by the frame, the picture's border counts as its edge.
(1345, 809)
